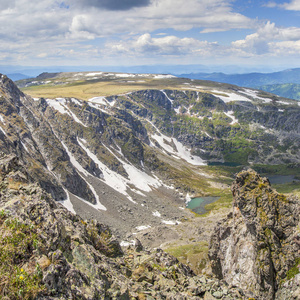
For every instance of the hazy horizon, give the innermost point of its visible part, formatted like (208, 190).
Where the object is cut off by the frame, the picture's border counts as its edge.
(220, 35)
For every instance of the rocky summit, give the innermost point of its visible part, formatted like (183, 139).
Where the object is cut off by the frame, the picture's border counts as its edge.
(258, 244)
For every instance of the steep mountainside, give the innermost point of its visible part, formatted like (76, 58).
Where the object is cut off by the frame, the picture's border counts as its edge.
(131, 159)
(288, 90)
(46, 252)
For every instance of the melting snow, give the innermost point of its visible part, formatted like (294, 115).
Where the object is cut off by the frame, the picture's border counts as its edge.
(76, 101)
(2, 119)
(92, 74)
(253, 94)
(230, 96)
(75, 163)
(170, 222)
(167, 96)
(230, 114)
(98, 100)
(182, 151)
(3, 131)
(24, 146)
(127, 244)
(143, 227)
(163, 76)
(60, 105)
(67, 203)
(156, 214)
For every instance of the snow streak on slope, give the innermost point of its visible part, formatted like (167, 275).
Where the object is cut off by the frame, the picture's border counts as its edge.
(75, 163)
(179, 151)
(137, 178)
(67, 203)
(230, 114)
(60, 105)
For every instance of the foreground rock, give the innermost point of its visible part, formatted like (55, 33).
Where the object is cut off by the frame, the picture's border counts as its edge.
(257, 245)
(46, 252)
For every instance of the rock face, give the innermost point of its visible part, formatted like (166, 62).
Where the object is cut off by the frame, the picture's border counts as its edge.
(258, 243)
(46, 252)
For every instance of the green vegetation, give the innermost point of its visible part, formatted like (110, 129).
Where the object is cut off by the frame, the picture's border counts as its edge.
(195, 255)
(287, 90)
(294, 270)
(17, 243)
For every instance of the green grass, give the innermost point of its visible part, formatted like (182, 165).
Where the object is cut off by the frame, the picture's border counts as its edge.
(195, 253)
(291, 273)
(17, 243)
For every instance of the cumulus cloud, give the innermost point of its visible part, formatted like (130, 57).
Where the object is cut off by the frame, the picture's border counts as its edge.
(267, 38)
(293, 5)
(146, 45)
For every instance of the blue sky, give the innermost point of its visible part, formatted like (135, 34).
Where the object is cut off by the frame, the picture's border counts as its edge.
(255, 34)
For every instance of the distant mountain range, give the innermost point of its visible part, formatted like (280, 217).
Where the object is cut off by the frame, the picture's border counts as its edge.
(17, 76)
(250, 79)
(284, 83)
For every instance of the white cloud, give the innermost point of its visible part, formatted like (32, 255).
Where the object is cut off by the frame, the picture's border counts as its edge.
(266, 38)
(168, 45)
(293, 5)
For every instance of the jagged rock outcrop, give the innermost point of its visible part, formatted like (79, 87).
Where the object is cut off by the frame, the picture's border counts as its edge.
(46, 252)
(258, 243)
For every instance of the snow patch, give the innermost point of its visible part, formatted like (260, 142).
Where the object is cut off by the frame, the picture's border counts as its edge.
(230, 114)
(156, 214)
(253, 94)
(76, 101)
(167, 96)
(143, 227)
(187, 198)
(67, 203)
(98, 100)
(75, 163)
(162, 76)
(24, 146)
(127, 244)
(3, 131)
(2, 119)
(170, 222)
(91, 74)
(230, 96)
(181, 151)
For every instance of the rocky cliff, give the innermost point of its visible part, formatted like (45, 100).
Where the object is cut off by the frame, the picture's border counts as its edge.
(258, 244)
(46, 252)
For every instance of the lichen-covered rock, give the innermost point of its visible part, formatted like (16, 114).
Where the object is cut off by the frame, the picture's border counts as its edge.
(65, 257)
(255, 246)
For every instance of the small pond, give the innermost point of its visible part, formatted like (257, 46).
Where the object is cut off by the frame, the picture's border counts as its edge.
(281, 179)
(197, 205)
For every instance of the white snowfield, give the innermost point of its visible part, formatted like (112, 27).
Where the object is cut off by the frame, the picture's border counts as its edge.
(59, 104)
(179, 151)
(229, 96)
(139, 179)
(253, 94)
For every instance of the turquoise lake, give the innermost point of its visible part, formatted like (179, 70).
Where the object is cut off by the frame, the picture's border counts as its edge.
(197, 205)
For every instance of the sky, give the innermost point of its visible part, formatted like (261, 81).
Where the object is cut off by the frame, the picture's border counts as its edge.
(250, 33)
